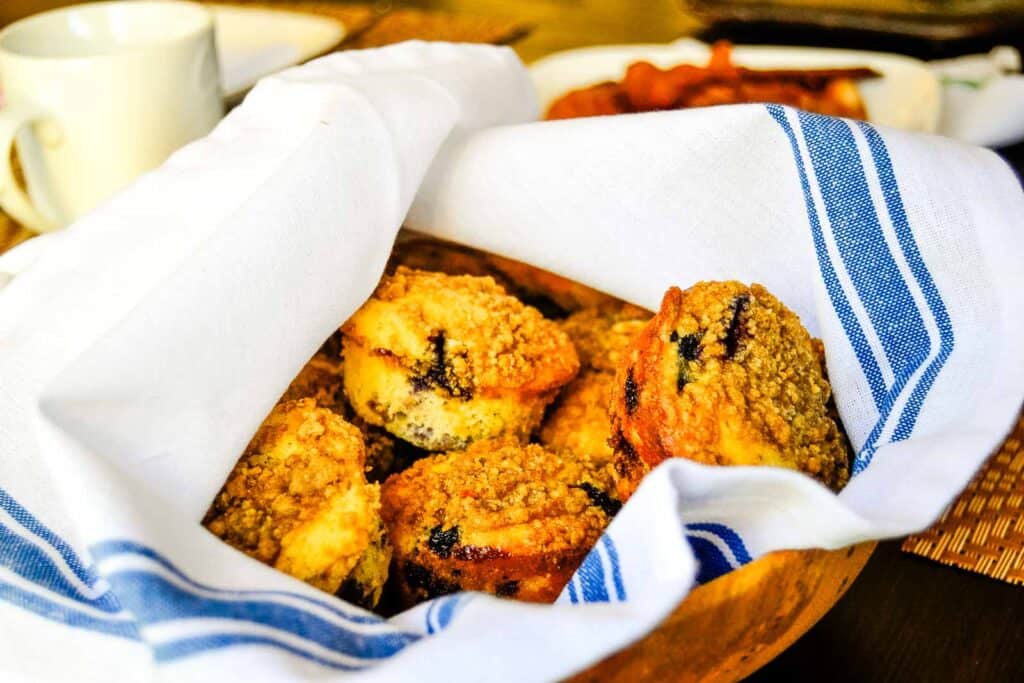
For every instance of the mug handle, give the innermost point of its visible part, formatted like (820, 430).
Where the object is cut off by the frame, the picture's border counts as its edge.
(13, 199)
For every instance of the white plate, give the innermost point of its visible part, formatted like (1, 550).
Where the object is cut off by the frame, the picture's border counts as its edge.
(253, 42)
(906, 96)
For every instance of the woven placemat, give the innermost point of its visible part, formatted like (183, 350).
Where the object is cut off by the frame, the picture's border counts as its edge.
(983, 531)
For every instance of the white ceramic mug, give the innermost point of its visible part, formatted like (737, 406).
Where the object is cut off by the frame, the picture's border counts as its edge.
(97, 94)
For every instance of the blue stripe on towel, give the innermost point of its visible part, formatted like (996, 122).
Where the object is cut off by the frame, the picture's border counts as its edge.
(573, 597)
(446, 611)
(712, 562)
(590, 581)
(112, 548)
(728, 536)
(26, 559)
(146, 597)
(152, 599)
(55, 594)
(862, 246)
(854, 221)
(847, 318)
(55, 611)
(188, 646)
(429, 618)
(898, 216)
(441, 611)
(34, 526)
(613, 559)
(591, 578)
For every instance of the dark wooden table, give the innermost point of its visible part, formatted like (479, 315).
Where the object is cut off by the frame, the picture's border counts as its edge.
(907, 618)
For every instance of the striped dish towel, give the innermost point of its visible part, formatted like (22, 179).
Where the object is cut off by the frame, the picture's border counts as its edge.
(142, 346)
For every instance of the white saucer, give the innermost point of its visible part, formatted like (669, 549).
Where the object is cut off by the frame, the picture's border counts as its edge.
(253, 42)
(906, 96)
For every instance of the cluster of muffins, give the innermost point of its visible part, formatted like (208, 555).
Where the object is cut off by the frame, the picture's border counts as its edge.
(478, 422)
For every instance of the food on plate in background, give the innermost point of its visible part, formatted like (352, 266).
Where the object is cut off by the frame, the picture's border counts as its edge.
(645, 87)
(499, 517)
(298, 500)
(442, 360)
(578, 421)
(725, 374)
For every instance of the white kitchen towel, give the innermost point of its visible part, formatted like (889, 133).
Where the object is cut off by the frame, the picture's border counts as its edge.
(141, 348)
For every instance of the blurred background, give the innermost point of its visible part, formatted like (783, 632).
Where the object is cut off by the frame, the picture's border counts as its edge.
(923, 28)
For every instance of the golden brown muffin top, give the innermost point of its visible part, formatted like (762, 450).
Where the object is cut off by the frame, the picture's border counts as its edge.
(579, 421)
(497, 497)
(727, 374)
(463, 333)
(298, 498)
(602, 334)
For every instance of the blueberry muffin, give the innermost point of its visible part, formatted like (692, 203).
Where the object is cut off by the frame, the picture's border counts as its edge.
(511, 520)
(442, 361)
(298, 500)
(725, 374)
(602, 334)
(579, 421)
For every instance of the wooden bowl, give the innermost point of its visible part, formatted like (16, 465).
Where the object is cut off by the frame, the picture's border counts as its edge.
(727, 629)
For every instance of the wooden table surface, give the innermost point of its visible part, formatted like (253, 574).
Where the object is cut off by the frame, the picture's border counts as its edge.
(906, 618)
